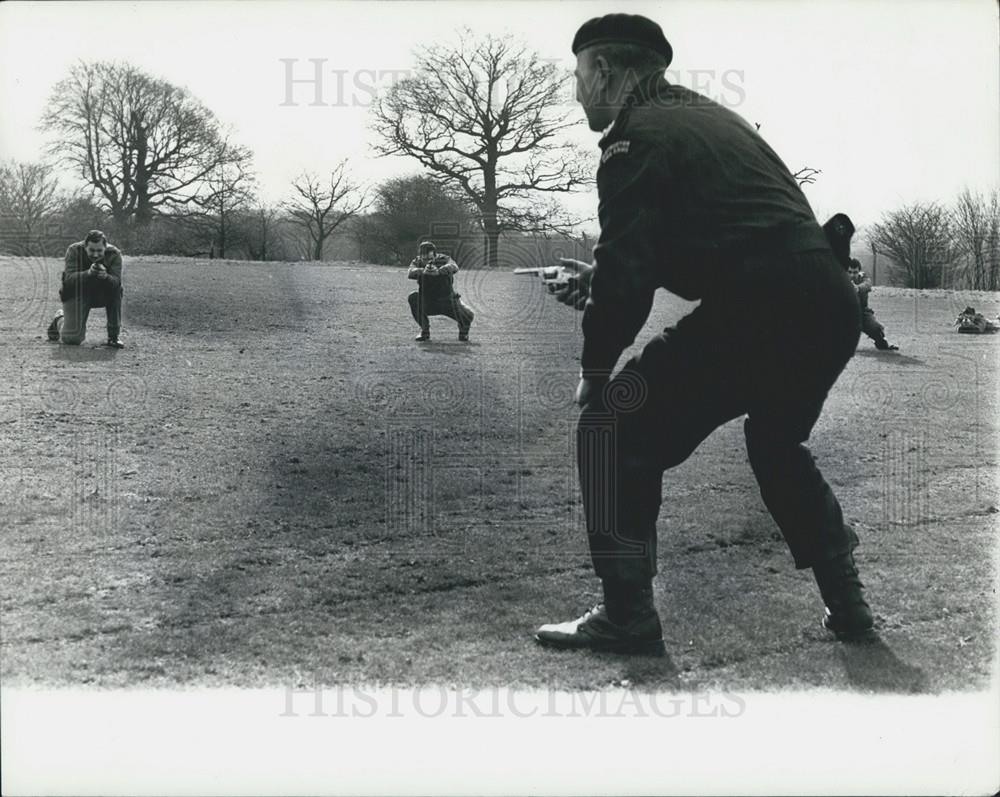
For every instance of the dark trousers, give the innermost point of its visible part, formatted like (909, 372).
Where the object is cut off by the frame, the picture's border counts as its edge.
(770, 348)
(870, 325)
(422, 306)
(77, 310)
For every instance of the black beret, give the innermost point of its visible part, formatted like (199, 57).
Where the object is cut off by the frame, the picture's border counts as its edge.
(624, 28)
(839, 229)
(842, 223)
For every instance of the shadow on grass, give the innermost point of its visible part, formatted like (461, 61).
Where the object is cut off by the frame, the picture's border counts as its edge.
(893, 357)
(82, 354)
(196, 299)
(654, 672)
(873, 666)
(452, 347)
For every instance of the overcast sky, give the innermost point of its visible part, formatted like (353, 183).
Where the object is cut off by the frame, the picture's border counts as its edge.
(894, 101)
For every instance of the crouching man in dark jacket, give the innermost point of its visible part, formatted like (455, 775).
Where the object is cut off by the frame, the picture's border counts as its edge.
(92, 278)
(435, 275)
(839, 230)
(869, 324)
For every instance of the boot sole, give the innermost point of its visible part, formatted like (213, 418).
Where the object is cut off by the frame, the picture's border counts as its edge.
(647, 647)
(863, 635)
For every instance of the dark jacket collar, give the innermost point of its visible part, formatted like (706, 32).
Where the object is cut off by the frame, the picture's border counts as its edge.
(645, 89)
(640, 94)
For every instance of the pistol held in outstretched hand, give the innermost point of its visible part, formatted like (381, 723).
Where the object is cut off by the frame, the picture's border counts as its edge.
(569, 281)
(551, 275)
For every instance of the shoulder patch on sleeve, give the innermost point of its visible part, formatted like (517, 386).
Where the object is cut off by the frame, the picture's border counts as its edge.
(615, 148)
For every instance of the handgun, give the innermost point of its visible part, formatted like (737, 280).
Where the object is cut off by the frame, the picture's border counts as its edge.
(552, 276)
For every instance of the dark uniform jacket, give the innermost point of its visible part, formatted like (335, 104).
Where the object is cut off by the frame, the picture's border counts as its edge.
(435, 287)
(76, 281)
(687, 190)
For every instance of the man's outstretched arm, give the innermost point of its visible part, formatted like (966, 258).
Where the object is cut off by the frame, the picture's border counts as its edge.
(626, 257)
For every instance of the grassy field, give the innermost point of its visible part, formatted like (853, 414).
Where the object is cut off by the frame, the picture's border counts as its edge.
(273, 484)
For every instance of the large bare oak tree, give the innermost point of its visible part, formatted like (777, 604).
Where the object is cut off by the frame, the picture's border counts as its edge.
(143, 144)
(487, 116)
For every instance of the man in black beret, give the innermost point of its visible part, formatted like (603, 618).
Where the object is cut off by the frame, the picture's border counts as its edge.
(839, 230)
(693, 200)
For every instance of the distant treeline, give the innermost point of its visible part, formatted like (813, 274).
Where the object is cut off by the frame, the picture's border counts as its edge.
(160, 174)
(404, 212)
(922, 245)
(932, 245)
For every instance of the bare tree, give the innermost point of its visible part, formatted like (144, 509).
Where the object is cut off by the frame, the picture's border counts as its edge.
(142, 143)
(407, 210)
(975, 218)
(806, 175)
(228, 189)
(319, 206)
(486, 116)
(919, 239)
(77, 214)
(28, 199)
(261, 232)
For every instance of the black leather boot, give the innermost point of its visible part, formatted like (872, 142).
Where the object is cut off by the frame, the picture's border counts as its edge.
(848, 614)
(626, 622)
(594, 631)
(53, 330)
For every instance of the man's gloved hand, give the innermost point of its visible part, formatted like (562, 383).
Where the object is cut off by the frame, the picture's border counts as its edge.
(575, 292)
(589, 389)
(98, 270)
